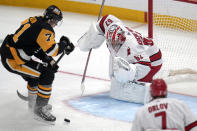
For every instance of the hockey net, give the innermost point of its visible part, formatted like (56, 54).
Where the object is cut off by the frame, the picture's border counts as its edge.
(173, 25)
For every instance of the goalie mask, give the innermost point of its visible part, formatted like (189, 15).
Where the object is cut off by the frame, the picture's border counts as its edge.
(54, 15)
(116, 36)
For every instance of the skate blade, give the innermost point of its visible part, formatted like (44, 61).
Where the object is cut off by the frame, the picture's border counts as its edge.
(37, 118)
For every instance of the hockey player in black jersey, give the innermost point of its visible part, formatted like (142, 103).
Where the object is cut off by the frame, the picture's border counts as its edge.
(36, 37)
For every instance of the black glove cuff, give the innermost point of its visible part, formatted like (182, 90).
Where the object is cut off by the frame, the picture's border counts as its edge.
(61, 47)
(65, 40)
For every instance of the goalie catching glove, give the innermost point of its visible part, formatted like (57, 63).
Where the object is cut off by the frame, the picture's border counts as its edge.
(123, 71)
(66, 45)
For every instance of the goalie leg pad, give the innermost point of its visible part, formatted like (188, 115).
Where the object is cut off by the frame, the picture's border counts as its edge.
(130, 92)
(123, 76)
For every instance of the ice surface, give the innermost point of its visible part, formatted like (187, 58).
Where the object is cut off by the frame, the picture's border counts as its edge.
(14, 115)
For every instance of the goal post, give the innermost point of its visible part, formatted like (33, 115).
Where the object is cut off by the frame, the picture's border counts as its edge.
(173, 26)
(150, 18)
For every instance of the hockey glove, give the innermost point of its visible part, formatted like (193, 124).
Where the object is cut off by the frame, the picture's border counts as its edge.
(123, 71)
(69, 48)
(67, 45)
(119, 62)
(50, 64)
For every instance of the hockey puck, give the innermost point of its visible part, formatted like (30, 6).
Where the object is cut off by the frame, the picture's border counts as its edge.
(66, 120)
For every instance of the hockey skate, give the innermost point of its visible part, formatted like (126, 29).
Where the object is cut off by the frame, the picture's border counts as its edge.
(43, 114)
(32, 102)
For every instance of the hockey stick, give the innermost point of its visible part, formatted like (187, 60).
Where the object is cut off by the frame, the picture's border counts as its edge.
(64, 52)
(25, 98)
(60, 58)
(22, 97)
(87, 61)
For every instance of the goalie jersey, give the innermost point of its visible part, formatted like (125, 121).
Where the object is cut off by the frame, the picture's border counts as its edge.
(132, 47)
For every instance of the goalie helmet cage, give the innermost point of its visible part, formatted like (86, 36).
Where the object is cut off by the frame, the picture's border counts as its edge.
(173, 26)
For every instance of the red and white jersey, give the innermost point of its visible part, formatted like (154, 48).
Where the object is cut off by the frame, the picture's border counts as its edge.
(136, 49)
(165, 113)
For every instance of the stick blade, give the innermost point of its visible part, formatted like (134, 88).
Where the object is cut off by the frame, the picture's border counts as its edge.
(82, 88)
(25, 98)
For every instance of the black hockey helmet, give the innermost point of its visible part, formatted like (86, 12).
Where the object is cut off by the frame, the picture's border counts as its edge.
(53, 12)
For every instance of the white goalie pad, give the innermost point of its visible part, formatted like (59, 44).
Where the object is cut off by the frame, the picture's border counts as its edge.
(123, 76)
(130, 92)
(120, 63)
(123, 71)
(91, 39)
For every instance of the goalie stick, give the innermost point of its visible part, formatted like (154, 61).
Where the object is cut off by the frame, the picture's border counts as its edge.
(87, 61)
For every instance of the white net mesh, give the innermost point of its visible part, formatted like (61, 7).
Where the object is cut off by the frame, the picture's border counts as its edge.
(175, 32)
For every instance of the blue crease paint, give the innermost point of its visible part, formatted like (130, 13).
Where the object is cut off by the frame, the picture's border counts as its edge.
(103, 106)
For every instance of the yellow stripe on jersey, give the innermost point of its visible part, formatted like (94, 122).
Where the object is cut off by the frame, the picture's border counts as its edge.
(45, 39)
(55, 53)
(32, 20)
(25, 27)
(35, 73)
(25, 21)
(19, 68)
(18, 60)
